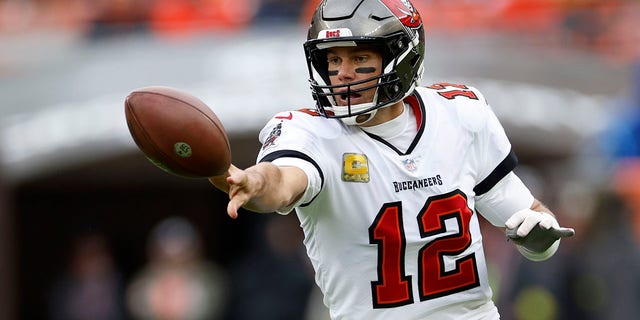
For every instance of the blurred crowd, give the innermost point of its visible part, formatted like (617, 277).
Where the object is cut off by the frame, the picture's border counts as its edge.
(271, 281)
(597, 191)
(598, 25)
(593, 276)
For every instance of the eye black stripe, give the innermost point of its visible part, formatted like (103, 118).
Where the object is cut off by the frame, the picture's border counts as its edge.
(366, 70)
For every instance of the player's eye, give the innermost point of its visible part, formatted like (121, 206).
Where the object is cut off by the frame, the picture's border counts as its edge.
(362, 59)
(333, 61)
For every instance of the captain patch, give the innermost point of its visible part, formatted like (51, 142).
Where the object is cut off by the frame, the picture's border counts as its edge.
(355, 167)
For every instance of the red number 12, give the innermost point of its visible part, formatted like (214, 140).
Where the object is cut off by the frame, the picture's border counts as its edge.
(393, 287)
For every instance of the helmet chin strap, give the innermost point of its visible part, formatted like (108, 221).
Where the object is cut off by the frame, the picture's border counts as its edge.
(353, 121)
(362, 119)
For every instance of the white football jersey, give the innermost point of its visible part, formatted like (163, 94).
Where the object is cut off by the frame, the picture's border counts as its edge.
(393, 233)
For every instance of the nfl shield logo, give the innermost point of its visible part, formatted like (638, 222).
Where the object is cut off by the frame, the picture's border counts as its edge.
(410, 164)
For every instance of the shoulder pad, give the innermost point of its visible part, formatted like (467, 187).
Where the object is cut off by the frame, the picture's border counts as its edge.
(307, 120)
(289, 115)
(469, 104)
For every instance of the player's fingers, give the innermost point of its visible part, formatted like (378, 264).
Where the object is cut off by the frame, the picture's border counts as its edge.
(236, 176)
(516, 219)
(237, 182)
(527, 225)
(235, 204)
(561, 232)
(548, 221)
(234, 179)
(237, 199)
(232, 210)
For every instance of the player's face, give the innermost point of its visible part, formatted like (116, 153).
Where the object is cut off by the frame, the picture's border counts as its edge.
(350, 64)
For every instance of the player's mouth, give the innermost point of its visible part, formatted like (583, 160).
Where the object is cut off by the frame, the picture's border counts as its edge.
(353, 98)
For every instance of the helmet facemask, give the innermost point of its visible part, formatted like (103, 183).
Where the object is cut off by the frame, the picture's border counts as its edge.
(349, 112)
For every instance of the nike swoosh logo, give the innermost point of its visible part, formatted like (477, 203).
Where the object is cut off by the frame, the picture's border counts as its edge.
(289, 117)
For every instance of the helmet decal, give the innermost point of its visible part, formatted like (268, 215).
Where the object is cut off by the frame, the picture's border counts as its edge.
(407, 14)
(334, 33)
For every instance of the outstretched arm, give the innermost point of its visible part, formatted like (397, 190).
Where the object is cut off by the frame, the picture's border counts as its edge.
(261, 188)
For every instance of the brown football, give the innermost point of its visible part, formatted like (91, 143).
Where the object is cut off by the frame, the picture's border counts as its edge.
(177, 132)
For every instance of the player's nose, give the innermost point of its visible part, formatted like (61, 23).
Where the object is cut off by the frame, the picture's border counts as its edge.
(346, 72)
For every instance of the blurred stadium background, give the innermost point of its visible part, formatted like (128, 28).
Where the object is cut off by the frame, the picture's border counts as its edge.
(83, 213)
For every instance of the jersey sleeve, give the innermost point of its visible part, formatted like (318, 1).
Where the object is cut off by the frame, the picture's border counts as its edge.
(287, 141)
(499, 192)
(493, 156)
(507, 197)
(490, 157)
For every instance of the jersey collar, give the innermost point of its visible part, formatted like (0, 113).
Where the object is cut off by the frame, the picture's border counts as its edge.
(415, 102)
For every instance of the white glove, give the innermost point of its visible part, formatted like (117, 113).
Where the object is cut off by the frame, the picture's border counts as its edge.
(525, 219)
(536, 233)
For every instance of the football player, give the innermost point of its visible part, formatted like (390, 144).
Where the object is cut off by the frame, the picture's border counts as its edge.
(388, 178)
